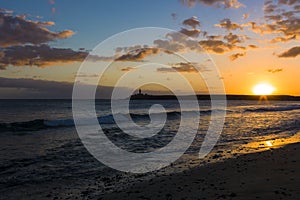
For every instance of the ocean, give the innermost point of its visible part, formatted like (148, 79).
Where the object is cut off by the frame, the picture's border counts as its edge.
(40, 149)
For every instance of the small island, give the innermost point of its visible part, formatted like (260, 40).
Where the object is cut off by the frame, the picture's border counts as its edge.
(145, 96)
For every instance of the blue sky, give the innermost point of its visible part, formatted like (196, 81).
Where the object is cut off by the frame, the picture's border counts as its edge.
(94, 20)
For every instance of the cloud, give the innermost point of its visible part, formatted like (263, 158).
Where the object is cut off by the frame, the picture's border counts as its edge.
(191, 33)
(283, 39)
(273, 17)
(87, 75)
(246, 16)
(127, 69)
(43, 55)
(137, 54)
(236, 56)
(17, 30)
(218, 46)
(130, 48)
(252, 46)
(288, 2)
(192, 22)
(43, 89)
(213, 37)
(169, 45)
(263, 28)
(181, 67)
(233, 38)
(30, 88)
(289, 26)
(283, 17)
(224, 3)
(291, 53)
(228, 25)
(275, 70)
(269, 7)
(178, 42)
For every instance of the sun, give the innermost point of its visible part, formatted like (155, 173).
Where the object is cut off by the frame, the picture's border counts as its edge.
(263, 89)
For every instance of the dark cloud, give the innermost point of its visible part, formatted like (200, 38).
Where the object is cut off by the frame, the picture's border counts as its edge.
(233, 38)
(23, 42)
(178, 42)
(192, 22)
(283, 39)
(138, 54)
(170, 45)
(123, 50)
(269, 7)
(252, 46)
(236, 56)
(273, 17)
(263, 28)
(87, 75)
(213, 37)
(43, 55)
(273, 71)
(42, 89)
(282, 16)
(218, 46)
(224, 3)
(17, 30)
(288, 2)
(30, 88)
(228, 25)
(127, 69)
(289, 27)
(182, 67)
(291, 53)
(191, 33)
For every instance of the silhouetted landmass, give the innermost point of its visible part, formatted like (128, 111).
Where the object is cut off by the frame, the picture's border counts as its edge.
(141, 96)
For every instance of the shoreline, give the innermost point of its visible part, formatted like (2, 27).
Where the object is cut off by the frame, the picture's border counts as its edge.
(271, 174)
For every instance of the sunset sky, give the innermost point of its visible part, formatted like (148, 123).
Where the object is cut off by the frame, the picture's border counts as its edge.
(43, 43)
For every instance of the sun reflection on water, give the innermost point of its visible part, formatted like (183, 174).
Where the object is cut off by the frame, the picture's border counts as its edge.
(267, 144)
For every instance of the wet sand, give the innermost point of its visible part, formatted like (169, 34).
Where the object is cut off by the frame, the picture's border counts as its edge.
(271, 174)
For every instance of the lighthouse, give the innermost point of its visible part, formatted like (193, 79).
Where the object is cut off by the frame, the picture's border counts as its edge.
(140, 91)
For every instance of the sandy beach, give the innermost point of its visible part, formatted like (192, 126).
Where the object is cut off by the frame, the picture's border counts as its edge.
(272, 174)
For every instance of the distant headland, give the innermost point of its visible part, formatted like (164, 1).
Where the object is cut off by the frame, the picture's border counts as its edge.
(145, 96)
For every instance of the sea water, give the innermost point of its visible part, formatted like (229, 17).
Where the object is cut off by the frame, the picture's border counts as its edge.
(39, 143)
